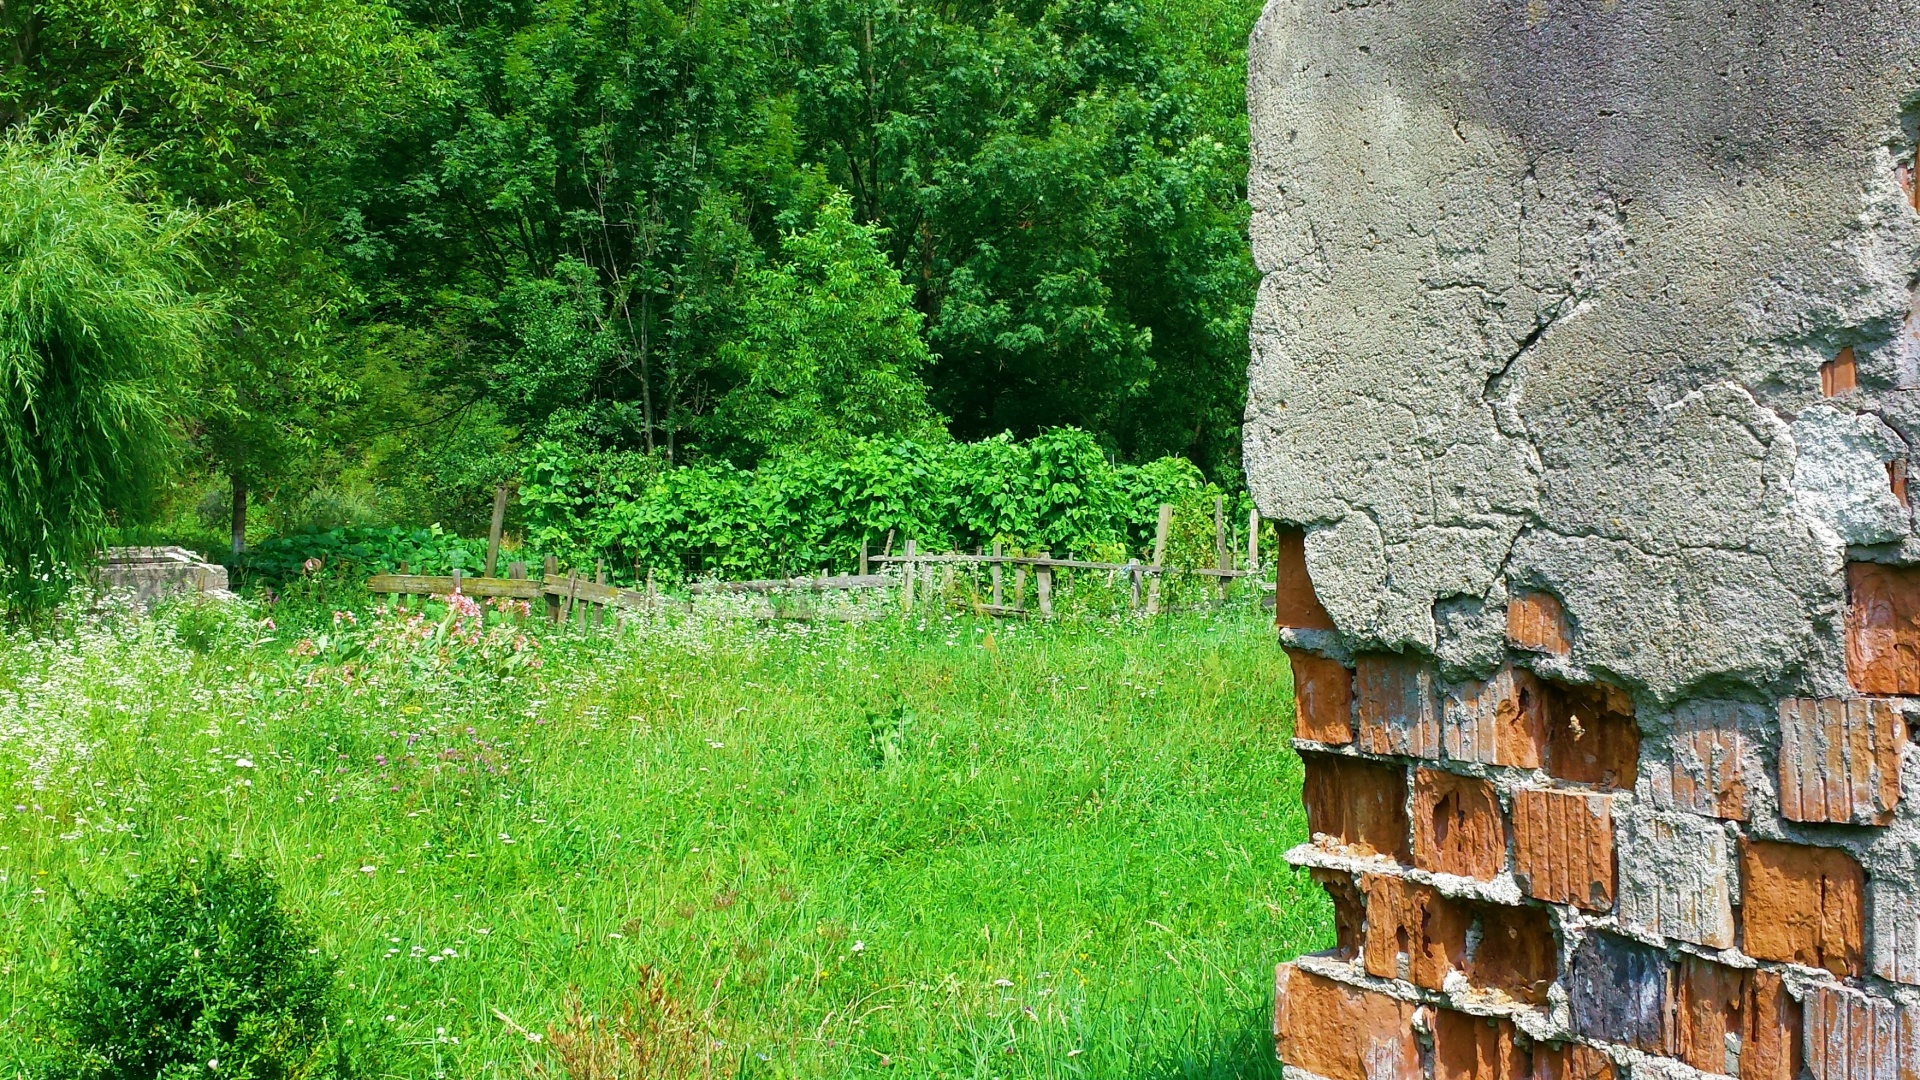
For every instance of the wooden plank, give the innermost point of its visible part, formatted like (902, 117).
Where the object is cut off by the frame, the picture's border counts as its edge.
(1160, 534)
(1222, 555)
(996, 570)
(493, 530)
(423, 585)
(906, 591)
(819, 584)
(1043, 585)
(553, 601)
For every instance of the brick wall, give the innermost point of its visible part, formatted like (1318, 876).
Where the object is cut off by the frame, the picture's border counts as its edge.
(1536, 879)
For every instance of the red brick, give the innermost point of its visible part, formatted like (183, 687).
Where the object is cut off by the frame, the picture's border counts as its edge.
(1399, 708)
(1413, 932)
(1536, 622)
(1840, 375)
(1295, 604)
(1773, 1046)
(1322, 698)
(1856, 1036)
(1592, 736)
(1339, 1031)
(1883, 628)
(1711, 1002)
(1362, 805)
(1840, 760)
(1563, 846)
(1349, 911)
(1457, 825)
(1803, 905)
(1570, 1061)
(1476, 1048)
(1703, 772)
(1497, 722)
(1620, 991)
(1515, 952)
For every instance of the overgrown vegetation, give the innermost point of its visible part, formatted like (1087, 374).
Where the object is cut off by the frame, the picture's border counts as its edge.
(928, 848)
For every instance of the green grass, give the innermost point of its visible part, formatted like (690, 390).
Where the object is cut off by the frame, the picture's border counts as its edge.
(935, 849)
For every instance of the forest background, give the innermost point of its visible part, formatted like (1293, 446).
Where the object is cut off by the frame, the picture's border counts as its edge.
(438, 245)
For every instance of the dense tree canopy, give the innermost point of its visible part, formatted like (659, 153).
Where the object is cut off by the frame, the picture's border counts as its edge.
(723, 230)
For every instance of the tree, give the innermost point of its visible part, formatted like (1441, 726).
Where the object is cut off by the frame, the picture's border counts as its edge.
(97, 334)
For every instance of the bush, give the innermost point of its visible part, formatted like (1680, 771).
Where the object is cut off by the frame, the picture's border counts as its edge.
(190, 967)
(363, 550)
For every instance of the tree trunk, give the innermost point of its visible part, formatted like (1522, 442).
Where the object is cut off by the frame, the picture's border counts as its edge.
(239, 516)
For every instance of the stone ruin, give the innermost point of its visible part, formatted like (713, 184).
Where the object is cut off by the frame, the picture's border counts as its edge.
(152, 574)
(1585, 387)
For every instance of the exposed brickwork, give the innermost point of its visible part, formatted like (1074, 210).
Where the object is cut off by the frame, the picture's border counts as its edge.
(1413, 932)
(1457, 825)
(1804, 905)
(1621, 992)
(1515, 952)
(1592, 736)
(1536, 622)
(1476, 1048)
(1676, 877)
(1570, 1061)
(1840, 760)
(1711, 1002)
(1362, 805)
(1322, 698)
(1773, 1046)
(1883, 628)
(1349, 911)
(1895, 905)
(1497, 722)
(1340, 1032)
(1295, 605)
(1563, 846)
(1702, 771)
(1399, 708)
(1855, 1036)
(1840, 375)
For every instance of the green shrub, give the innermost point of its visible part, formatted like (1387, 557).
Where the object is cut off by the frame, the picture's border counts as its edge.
(194, 972)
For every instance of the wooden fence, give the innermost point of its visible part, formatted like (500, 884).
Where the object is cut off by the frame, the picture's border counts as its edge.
(571, 595)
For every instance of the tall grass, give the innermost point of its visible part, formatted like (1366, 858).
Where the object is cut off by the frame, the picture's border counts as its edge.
(939, 848)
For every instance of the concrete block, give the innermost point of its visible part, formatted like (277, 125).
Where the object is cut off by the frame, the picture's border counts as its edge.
(1563, 846)
(1894, 912)
(1840, 760)
(153, 573)
(1676, 877)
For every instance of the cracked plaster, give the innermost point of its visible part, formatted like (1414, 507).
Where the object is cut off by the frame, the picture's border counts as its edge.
(1546, 288)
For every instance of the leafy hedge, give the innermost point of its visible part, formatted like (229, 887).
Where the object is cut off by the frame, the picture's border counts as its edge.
(803, 512)
(812, 511)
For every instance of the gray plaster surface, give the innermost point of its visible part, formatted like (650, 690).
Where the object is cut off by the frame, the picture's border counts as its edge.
(1547, 286)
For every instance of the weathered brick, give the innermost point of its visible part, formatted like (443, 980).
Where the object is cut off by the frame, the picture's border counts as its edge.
(1295, 605)
(1773, 1046)
(1676, 873)
(1702, 770)
(1413, 932)
(1856, 1036)
(1341, 1032)
(1883, 628)
(1840, 760)
(1840, 375)
(1496, 722)
(1536, 622)
(1563, 846)
(1349, 911)
(1476, 1048)
(1592, 736)
(1457, 825)
(1399, 707)
(1896, 929)
(1362, 805)
(1619, 991)
(1803, 905)
(1570, 1061)
(1710, 1015)
(1514, 951)
(1322, 698)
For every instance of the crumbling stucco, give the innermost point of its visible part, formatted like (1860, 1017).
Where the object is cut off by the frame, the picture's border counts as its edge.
(1547, 289)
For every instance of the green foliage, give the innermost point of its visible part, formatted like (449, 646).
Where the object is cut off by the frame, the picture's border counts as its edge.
(189, 967)
(355, 552)
(805, 511)
(97, 331)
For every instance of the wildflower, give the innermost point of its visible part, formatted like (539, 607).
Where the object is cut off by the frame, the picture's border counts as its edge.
(366, 869)
(242, 763)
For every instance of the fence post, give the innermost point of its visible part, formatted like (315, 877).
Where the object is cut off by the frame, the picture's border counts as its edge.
(552, 567)
(1223, 558)
(598, 612)
(1253, 540)
(517, 571)
(1020, 587)
(863, 556)
(1159, 558)
(909, 571)
(1043, 586)
(1133, 585)
(993, 570)
(493, 531)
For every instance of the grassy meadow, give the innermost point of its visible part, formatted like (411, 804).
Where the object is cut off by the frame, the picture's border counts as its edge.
(941, 847)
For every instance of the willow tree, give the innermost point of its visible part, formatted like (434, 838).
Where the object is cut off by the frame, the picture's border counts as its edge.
(97, 330)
